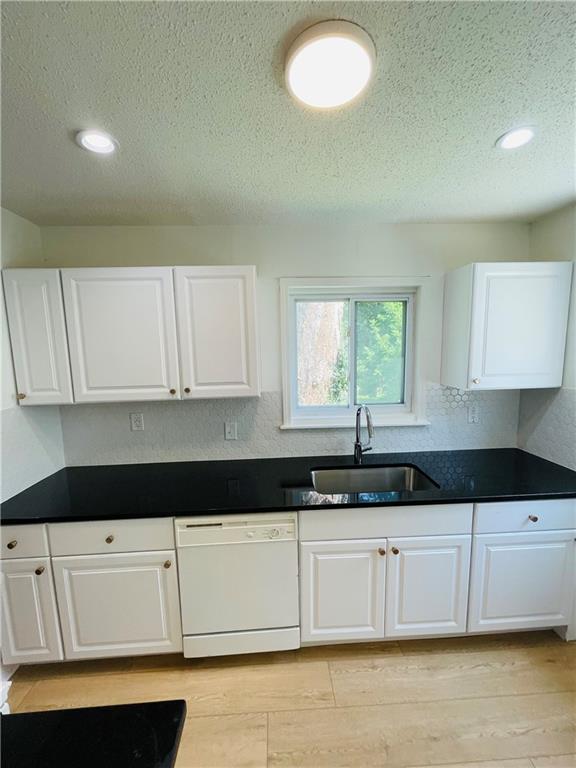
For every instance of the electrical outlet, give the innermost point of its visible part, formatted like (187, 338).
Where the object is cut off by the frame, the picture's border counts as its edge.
(137, 422)
(231, 430)
(473, 413)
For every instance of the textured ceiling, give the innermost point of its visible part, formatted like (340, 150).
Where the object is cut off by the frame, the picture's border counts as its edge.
(193, 92)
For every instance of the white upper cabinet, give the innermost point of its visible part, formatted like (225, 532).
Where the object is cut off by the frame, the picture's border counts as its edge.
(122, 333)
(505, 325)
(38, 336)
(216, 310)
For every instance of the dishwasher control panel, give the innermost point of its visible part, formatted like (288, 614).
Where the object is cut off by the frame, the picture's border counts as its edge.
(236, 529)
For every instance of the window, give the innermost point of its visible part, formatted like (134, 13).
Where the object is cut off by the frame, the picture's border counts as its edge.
(344, 346)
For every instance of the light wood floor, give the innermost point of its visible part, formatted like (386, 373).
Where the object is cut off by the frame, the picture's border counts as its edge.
(505, 701)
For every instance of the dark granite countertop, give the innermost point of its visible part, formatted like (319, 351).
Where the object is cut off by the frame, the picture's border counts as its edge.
(124, 736)
(263, 485)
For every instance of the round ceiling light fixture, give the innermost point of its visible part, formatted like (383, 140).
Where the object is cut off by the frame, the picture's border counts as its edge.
(515, 138)
(96, 141)
(330, 64)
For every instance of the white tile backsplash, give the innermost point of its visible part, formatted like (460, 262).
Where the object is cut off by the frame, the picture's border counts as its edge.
(194, 430)
(547, 424)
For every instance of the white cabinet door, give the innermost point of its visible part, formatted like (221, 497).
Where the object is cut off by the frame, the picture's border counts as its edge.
(216, 309)
(38, 335)
(518, 327)
(118, 605)
(342, 587)
(122, 331)
(521, 580)
(427, 585)
(30, 630)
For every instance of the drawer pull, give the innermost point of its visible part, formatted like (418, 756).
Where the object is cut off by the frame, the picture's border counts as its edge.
(39, 571)
(109, 539)
(12, 544)
(533, 518)
(395, 550)
(381, 551)
(167, 563)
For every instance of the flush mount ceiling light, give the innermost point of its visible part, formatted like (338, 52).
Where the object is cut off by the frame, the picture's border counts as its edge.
(96, 141)
(518, 137)
(330, 64)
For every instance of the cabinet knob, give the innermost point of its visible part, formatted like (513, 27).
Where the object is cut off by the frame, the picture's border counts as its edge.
(395, 550)
(172, 391)
(167, 563)
(381, 551)
(39, 571)
(187, 390)
(533, 518)
(12, 544)
(109, 539)
(20, 396)
(475, 381)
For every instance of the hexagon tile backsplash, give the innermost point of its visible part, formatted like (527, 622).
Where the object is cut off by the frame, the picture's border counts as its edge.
(194, 430)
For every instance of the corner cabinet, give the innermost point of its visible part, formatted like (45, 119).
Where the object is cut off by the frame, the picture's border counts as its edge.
(216, 311)
(505, 325)
(122, 333)
(30, 629)
(35, 312)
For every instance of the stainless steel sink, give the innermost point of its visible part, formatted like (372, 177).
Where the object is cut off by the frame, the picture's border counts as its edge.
(371, 479)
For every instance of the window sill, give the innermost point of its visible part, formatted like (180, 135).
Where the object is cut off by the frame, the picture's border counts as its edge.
(400, 420)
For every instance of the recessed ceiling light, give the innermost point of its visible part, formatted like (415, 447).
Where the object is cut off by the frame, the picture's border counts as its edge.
(330, 64)
(96, 141)
(516, 138)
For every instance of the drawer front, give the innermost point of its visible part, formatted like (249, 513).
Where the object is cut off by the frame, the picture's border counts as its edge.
(385, 522)
(525, 516)
(110, 536)
(23, 541)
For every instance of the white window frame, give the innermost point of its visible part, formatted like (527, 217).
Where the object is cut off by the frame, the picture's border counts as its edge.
(409, 413)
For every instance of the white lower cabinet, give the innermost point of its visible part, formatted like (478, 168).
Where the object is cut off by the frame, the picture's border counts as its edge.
(521, 580)
(118, 605)
(427, 585)
(342, 587)
(30, 630)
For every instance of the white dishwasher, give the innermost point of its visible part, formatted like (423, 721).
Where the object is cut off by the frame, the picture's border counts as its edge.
(238, 583)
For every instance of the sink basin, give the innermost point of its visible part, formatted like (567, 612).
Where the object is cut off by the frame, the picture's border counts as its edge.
(372, 479)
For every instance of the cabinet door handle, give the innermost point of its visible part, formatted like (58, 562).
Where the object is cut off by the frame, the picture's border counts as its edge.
(12, 544)
(533, 518)
(109, 539)
(167, 563)
(475, 381)
(172, 391)
(395, 550)
(20, 396)
(187, 390)
(39, 571)
(381, 551)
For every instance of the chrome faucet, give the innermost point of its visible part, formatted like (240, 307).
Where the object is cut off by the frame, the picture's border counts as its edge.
(360, 448)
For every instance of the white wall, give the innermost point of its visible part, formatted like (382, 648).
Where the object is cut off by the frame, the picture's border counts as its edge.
(31, 438)
(547, 423)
